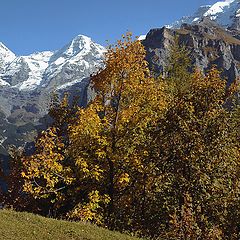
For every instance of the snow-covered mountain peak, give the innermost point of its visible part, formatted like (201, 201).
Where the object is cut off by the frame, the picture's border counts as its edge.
(78, 49)
(225, 13)
(218, 7)
(37, 64)
(80, 45)
(54, 69)
(80, 55)
(81, 41)
(6, 55)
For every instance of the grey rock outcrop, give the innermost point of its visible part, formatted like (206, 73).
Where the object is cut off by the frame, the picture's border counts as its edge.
(207, 42)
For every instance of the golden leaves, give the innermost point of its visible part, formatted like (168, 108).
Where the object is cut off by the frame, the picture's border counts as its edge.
(91, 211)
(43, 171)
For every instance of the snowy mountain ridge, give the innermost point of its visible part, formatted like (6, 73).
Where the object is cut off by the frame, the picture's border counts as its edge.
(26, 73)
(226, 13)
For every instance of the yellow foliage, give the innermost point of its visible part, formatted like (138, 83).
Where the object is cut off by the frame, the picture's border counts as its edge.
(91, 211)
(44, 170)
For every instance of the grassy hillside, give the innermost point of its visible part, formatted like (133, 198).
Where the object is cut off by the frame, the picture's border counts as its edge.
(25, 226)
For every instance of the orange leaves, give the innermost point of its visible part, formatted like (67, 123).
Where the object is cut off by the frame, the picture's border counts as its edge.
(108, 139)
(125, 64)
(123, 180)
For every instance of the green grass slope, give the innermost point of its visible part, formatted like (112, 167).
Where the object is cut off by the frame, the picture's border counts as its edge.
(26, 226)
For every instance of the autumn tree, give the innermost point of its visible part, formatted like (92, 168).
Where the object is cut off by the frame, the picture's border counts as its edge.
(14, 196)
(104, 167)
(110, 139)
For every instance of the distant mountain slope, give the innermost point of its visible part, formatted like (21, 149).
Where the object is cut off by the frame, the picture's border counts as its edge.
(27, 83)
(26, 72)
(6, 55)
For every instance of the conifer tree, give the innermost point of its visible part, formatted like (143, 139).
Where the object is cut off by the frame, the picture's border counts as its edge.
(179, 67)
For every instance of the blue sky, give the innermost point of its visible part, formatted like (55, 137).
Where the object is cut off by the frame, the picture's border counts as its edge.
(36, 25)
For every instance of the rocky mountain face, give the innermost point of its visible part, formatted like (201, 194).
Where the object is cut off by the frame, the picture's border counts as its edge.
(211, 34)
(28, 82)
(208, 44)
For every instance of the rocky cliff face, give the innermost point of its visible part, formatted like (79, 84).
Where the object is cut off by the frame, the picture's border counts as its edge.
(212, 35)
(207, 42)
